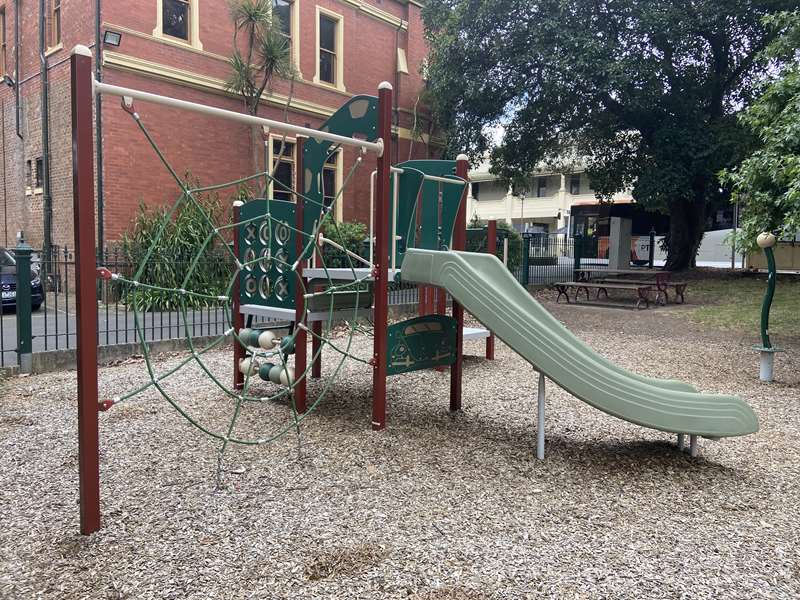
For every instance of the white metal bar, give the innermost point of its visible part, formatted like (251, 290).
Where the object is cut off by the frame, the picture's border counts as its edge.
(372, 179)
(681, 442)
(395, 201)
(459, 181)
(693, 446)
(505, 251)
(115, 90)
(540, 417)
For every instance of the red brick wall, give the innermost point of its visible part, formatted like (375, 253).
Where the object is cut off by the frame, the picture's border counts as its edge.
(212, 150)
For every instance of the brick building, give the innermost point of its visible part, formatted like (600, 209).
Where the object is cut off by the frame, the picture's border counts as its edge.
(180, 48)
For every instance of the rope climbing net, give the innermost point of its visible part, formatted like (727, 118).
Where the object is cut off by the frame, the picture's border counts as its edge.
(267, 357)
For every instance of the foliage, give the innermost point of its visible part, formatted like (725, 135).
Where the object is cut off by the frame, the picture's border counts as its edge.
(478, 243)
(348, 234)
(265, 53)
(260, 53)
(173, 252)
(767, 183)
(646, 90)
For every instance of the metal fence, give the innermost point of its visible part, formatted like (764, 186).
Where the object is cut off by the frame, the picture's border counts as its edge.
(54, 323)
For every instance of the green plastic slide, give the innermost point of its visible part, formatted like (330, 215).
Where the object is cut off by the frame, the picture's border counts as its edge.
(488, 291)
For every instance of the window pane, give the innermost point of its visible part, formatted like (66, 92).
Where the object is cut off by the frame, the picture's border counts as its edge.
(328, 186)
(327, 33)
(283, 10)
(176, 18)
(288, 148)
(283, 174)
(575, 185)
(327, 62)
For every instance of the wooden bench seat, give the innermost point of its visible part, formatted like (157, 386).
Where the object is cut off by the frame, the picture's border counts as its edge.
(642, 290)
(662, 285)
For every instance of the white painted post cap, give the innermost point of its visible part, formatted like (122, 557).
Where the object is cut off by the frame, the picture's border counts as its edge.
(462, 156)
(81, 50)
(384, 85)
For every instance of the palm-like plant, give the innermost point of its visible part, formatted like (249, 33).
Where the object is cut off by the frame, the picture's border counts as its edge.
(260, 53)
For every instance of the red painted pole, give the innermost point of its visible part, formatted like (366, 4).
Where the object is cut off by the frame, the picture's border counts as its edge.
(301, 338)
(491, 248)
(86, 290)
(237, 317)
(380, 270)
(459, 243)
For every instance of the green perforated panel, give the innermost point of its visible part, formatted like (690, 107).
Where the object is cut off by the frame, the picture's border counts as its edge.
(421, 343)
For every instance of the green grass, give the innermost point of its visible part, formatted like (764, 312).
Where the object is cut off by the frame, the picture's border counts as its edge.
(734, 303)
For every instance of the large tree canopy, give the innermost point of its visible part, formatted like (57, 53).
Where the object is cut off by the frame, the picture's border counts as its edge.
(645, 90)
(767, 183)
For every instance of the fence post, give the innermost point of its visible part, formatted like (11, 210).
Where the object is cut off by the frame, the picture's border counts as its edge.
(22, 254)
(526, 254)
(651, 259)
(577, 251)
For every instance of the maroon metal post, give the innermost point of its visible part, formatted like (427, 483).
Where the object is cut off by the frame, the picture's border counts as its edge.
(301, 337)
(381, 257)
(459, 243)
(86, 290)
(491, 248)
(237, 316)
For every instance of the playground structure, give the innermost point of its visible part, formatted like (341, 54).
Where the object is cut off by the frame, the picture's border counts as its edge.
(417, 235)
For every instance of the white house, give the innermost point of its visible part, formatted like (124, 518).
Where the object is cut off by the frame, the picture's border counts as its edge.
(545, 206)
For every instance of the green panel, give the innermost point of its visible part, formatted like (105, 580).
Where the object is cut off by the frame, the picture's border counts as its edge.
(488, 291)
(351, 295)
(421, 343)
(268, 282)
(409, 186)
(358, 117)
(437, 226)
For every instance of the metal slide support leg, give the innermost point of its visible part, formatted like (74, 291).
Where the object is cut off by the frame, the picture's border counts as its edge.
(681, 442)
(693, 446)
(540, 419)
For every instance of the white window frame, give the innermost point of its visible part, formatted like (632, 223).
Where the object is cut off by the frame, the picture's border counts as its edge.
(271, 161)
(194, 26)
(338, 214)
(339, 85)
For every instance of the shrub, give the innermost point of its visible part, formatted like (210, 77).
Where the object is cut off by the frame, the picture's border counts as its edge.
(478, 243)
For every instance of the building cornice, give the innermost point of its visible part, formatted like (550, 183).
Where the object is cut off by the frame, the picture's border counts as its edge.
(174, 75)
(377, 13)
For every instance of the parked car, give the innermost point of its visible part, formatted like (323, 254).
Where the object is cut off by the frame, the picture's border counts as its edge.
(8, 283)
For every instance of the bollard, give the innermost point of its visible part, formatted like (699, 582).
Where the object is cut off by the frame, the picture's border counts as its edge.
(766, 241)
(22, 254)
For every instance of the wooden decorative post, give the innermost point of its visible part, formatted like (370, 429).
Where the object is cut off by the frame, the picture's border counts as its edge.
(86, 288)
(381, 257)
(459, 243)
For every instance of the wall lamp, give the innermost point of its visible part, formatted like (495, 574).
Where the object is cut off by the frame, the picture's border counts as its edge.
(112, 38)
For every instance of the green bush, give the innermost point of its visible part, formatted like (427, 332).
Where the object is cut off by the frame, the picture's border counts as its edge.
(173, 252)
(477, 243)
(348, 234)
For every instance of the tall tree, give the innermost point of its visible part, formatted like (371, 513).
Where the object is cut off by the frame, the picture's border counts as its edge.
(767, 183)
(261, 52)
(646, 90)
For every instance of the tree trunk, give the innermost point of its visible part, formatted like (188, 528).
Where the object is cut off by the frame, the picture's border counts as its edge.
(686, 230)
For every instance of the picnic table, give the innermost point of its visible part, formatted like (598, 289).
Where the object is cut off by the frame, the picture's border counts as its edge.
(661, 279)
(642, 290)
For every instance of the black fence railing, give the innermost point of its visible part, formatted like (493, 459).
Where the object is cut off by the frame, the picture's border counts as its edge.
(54, 322)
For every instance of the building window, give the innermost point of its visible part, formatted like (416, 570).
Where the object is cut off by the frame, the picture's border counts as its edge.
(327, 49)
(55, 24)
(176, 15)
(330, 49)
(329, 188)
(178, 21)
(541, 187)
(28, 175)
(3, 48)
(39, 173)
(282, 9)
(476, 188)
(283, 169)
(575, 185)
